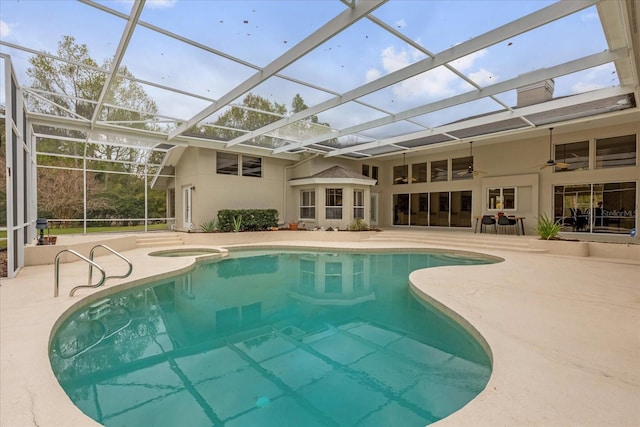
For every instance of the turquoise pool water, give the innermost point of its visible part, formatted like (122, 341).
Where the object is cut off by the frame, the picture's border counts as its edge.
(272, 339)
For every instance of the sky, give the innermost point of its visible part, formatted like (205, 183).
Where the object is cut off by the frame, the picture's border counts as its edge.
(257, 32)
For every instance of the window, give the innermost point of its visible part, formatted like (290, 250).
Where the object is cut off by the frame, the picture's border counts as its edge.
(400, 209)
(419, 172)
(307, 204)
(374, 173)
(574, 154)
(333, 203)
(252, 166)
(436, 209)
(333, 278)
(616, 152)
(502, 199)
(460, 168)
(358, 204)
(439, 170)
(226, 163)
(401, 174)
(596, 208)
(308, 275)
(366, 169)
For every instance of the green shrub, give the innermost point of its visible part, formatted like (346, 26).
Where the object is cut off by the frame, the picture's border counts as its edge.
(251, 219)
(546, 228)
(358, 225)
(209, 226)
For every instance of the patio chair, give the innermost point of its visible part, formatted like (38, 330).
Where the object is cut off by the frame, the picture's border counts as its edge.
(507, 224)
(488, 220)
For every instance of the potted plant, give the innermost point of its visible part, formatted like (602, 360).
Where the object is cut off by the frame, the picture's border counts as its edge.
(293, 225)
(547, 229)
(552, 243)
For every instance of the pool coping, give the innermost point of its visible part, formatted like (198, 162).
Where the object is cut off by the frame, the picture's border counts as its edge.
(536, 380)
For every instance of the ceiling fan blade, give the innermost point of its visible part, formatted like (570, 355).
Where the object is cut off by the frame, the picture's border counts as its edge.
(477, 172)
(462, 173)
(562, 165)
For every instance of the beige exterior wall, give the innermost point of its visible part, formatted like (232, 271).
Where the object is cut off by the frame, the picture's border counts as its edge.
(513, 163)
(213, 192)
(509, 164)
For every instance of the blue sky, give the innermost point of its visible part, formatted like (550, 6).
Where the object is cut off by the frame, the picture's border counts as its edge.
(258, 31)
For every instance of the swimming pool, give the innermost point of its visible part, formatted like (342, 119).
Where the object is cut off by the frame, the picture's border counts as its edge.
(273, 338)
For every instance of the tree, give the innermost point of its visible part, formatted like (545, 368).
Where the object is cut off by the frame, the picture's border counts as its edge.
(257, 112)
(72, 86)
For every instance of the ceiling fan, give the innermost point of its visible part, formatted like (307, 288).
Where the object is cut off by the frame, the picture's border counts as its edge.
(404, 179)
(552, 162)
(470, 170)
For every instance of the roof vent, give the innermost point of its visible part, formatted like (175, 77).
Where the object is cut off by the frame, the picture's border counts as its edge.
(535, 93)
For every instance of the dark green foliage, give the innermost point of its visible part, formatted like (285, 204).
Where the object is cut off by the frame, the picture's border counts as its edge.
(358, 225)
(252, 219)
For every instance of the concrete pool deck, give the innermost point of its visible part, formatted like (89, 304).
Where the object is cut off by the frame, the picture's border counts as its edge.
(564, 331)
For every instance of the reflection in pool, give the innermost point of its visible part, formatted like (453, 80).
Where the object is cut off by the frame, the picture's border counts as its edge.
(272, 339)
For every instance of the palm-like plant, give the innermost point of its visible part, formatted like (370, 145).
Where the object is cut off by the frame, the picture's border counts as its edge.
(546, 228)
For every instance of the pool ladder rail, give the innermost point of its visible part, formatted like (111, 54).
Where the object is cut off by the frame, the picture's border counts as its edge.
(91, 265)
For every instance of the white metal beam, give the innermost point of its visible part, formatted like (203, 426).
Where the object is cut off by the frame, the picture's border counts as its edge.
(136, 10)
(507, 85)
(331, 28)
(534, 20)
(493, 118)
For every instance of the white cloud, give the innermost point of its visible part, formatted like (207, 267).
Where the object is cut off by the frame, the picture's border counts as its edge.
(467, 62)
(160, 4)
(394, 61)
(581, 87)
(372, 74)
(5, 30)
(587, 17)
(483, 77)
(438, 82)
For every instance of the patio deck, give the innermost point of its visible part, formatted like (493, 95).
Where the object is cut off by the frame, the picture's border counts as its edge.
(562, 330)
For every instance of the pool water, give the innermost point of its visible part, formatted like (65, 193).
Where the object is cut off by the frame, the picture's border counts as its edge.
(273, 339)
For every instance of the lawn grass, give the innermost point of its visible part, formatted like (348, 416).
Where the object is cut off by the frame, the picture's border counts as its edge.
(80, 230)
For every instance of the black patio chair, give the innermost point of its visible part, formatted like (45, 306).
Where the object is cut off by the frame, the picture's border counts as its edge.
(488, 220)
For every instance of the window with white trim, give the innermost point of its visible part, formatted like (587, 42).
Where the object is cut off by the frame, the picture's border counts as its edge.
(307, 204)
(252, 166)
(333, 203)
(226, 163)
(358, 204)
(616, 152)
(502, 199)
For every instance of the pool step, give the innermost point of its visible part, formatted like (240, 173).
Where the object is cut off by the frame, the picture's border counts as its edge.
(164, 239)
(464, 240)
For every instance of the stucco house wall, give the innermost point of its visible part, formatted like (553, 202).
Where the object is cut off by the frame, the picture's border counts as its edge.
(505, 163)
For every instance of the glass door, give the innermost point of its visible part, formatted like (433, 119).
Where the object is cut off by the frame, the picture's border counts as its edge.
(373, 210)
(187, 207)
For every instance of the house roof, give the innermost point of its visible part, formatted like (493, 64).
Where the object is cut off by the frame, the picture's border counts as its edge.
(334, 175)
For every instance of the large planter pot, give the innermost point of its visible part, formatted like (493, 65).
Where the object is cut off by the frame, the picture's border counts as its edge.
(50, 240)
(561, 247)
(293, 226)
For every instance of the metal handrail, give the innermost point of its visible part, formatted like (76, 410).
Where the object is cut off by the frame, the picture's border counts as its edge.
(57, 273)
(116, 254)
